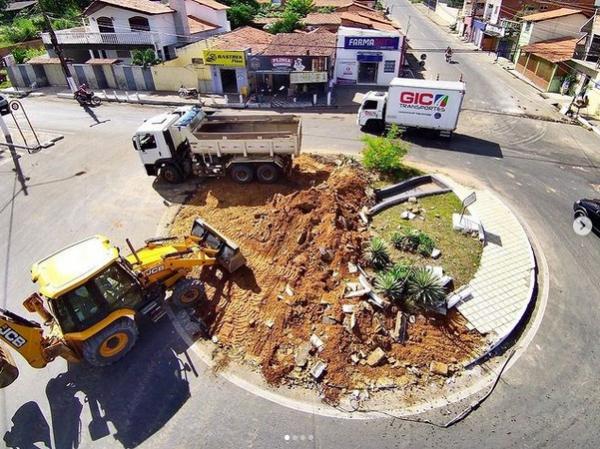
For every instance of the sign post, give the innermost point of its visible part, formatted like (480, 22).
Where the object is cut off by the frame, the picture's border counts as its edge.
(469, 199)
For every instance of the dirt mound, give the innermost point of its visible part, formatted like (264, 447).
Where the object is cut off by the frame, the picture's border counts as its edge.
(298, 238)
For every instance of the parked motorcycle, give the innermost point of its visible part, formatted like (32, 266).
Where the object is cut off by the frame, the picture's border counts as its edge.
(88, 99)
(185, 92)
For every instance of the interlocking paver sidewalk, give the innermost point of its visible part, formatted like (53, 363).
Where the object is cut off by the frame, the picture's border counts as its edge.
(503, 286)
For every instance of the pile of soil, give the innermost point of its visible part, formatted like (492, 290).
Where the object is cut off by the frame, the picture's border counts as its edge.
(298, 238)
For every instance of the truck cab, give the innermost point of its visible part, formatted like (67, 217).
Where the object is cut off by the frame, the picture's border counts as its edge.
(371, 113)
(163, 151)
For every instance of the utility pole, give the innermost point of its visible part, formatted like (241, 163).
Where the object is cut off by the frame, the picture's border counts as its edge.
(13, 153)
(59, 53)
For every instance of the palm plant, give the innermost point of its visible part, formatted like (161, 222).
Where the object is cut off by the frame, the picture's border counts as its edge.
(390, 285)
(425, 290)
(378, 254)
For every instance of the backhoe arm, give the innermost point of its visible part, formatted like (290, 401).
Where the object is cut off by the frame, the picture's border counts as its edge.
(24, 336)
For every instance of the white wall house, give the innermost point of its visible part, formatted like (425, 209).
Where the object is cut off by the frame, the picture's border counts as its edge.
(115, 28)
(368, 56)
(563, 22)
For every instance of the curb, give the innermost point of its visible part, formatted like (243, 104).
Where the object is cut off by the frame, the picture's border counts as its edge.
(316, 407)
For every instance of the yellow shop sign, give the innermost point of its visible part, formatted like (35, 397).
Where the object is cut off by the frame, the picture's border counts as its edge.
(225, 58)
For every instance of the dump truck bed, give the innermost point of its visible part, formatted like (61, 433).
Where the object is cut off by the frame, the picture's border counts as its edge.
(247, 135)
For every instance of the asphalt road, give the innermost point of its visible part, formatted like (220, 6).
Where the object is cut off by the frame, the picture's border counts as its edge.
(93, 182)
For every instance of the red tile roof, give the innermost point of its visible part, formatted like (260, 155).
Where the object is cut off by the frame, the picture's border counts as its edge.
(144, 6)
(554, 50)
(200, 26)
(295, 44)
(212, 4)
(332, 3)
(242, 39)
(561, 12)
(316, 18)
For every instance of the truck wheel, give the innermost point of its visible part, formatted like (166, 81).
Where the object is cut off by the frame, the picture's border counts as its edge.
(171, 173)
(111, 344)
(268, 173)
(242, 173)
(188, 293)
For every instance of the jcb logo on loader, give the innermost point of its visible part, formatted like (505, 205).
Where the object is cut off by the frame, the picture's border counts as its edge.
(154, 270)
(12, 336)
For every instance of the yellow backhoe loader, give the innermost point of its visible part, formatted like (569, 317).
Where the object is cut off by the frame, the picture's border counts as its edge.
(90, 296)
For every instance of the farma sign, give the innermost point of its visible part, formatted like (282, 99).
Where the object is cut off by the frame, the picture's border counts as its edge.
(371, 43)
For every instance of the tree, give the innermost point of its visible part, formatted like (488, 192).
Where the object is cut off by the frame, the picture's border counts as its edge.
(22, 29)
(287, 24)
(145, 57)
(240, 15)
(300, 7)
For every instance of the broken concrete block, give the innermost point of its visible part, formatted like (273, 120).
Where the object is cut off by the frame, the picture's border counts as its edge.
(376, 357)
(445, 280)
(407, 215)
(435, 253)
(355, 358)
(302, 237)
(357, 293)
(214, 339)
(348, 308)
(269, 323)
(317, 342)
(412, 199)
(318, 369)
(438, 368)
(352, 268)
(349, 322)
(289, 290)
(301, 354)
(462, 294)
(436, 270)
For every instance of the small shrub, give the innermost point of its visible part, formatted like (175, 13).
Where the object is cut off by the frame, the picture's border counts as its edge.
(401, 271)
(396, 239)
(379, 257)
(425, 290)
(426, 244)
(23, 55)
(390, 285)
(300, 7)
(289, 22)
(383, 154)
(145, 57)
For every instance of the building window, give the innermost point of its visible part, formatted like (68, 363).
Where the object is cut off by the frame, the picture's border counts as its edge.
(527, 26)
(138, 23)
(123, 54)
(389, 66)
(319, 64)
(105, 25)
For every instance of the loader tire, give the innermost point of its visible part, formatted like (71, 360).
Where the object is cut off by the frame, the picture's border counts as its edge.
(188, 293)
(111, 344)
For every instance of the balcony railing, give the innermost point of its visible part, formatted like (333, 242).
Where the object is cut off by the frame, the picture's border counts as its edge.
(66, 37)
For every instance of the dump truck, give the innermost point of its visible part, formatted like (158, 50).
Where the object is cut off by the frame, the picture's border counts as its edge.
(413, 103)
(90, 297)
(189, 141)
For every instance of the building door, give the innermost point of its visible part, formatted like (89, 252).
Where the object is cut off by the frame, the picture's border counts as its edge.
(367, 72)
(229, 81)
(280, 81)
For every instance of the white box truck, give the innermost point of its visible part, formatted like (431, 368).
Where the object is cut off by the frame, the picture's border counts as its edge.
(187, 140)
(413, 103)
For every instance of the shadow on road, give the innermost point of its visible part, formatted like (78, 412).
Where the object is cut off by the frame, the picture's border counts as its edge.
(130, 400)
(459, 142)
(93, 115)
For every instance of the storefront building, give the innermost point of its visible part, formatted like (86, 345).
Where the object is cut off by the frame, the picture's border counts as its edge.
(368, 56)
(294, 64)
(229, 73)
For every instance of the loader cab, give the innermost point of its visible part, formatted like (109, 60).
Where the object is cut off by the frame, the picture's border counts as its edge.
(372, 108)
(85, 283)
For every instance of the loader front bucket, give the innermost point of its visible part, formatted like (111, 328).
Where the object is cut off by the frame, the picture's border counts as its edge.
(229, 255)
(8, 369)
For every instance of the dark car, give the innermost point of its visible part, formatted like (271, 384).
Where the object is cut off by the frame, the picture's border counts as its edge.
(588, 208)
(4, 109)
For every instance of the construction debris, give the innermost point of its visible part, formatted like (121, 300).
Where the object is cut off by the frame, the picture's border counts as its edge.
(438, 368)
(293, 302)
(318, 369)
(435, 253)
(407, 215)
(376, 357)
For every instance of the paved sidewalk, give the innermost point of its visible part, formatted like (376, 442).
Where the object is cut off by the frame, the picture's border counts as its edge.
(503, 286)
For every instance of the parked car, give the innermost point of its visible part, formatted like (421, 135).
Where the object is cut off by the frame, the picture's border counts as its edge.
(4, 108)
(588, 208)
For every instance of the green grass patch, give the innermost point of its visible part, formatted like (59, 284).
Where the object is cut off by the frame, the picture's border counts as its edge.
(460, 253)
(6, 83)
